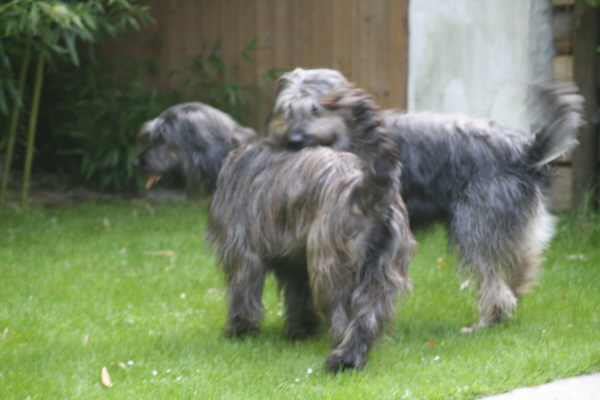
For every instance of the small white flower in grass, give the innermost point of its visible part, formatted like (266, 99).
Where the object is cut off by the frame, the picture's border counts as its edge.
(279, 313)
(168, 371)
(436, 358)
(297, 380)
(178, 378)
(309, 371)
(155, 372)
(130, 362)
(182, 296)
(465, 284)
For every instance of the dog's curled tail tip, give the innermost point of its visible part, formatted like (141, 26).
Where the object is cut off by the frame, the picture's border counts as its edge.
(556, 109)
(347, 96)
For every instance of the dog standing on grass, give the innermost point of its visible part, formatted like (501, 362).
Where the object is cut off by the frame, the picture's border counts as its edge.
(330, 225)
(485, 181)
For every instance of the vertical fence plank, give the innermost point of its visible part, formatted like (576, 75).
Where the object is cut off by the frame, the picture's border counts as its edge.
(265, 59)
(585, 61)
(302, 56)
(342, 42)
(397, 40)
(283, 36)
(378, 56)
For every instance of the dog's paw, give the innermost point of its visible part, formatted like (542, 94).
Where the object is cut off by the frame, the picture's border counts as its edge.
(339, 361)
(303, 332)
(240, 332)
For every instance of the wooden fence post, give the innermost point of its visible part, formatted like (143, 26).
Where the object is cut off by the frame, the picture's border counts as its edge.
(585, 73)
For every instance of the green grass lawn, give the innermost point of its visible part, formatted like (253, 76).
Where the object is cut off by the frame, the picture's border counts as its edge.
(132, 287)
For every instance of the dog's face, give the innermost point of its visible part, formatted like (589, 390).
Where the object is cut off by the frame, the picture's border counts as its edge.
(189, 140)
(160, 156)
(298, 119)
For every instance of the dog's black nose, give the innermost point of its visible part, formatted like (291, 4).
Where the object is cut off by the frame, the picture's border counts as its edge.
(296, 139)
(136, 162)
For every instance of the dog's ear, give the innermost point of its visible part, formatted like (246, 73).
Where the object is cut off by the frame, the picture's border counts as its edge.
(147, 128)
(281, 85)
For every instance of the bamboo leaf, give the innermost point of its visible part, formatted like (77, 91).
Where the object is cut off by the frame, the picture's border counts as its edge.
(216, 48)
(70, 41)
(33, 17)
(249, 47)
(133, 22)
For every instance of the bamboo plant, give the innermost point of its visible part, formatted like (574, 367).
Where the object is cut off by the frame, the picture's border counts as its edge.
(50, 29)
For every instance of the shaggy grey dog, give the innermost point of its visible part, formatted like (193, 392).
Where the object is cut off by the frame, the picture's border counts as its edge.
(483, 180)
(190, 140)
(330, 225)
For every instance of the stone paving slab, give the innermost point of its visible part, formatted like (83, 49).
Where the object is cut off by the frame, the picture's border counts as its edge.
(586, 387)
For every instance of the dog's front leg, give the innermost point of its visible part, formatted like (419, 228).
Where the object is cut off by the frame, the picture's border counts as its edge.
(372, 306)
(246, 283)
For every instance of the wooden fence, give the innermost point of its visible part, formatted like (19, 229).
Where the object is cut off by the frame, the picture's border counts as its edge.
(367, 40)
(576, 31)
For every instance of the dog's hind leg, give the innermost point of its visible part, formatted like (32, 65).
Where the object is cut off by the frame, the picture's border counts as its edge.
(246, 283)
(536, 236)
(302, 321)
(496, 299)
(504, 278)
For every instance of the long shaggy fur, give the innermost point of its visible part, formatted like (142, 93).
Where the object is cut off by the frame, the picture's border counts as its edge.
(484, 180)
(330, 225)
(189, 139)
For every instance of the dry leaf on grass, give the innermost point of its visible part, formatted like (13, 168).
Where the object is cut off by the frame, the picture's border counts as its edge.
(106, 377)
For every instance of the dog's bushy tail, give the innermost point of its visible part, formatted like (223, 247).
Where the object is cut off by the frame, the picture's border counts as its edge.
(555, 108)
(369, 140)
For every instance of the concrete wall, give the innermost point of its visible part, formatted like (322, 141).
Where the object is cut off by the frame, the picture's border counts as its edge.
(474, 56)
